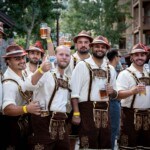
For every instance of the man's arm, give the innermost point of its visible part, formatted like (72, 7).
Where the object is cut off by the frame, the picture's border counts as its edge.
(76, 113)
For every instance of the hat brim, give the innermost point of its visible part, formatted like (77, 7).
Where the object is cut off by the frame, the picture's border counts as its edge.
(2, 32)
(78, 36)
(15, 55)
(27, 50)
(138, 51)
(108, 46)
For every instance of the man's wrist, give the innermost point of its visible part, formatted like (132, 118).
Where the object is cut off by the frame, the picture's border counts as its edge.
(40, 70)
(76, 114)
(24, 108)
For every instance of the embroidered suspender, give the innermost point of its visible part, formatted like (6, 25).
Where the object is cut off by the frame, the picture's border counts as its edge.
(54, 92)
(56, 88)
(137, 81)
(74, 61)
(90, 73)
(90, 83)
(25, 95)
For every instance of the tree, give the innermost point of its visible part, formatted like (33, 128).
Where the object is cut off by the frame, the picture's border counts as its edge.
(99, 16)
(28, 14)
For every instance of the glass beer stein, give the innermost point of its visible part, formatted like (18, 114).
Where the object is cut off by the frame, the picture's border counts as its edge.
(43, 30)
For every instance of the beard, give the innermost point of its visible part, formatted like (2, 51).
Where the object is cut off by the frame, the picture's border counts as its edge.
(34, 61)
(98, 56)
(139, 63)
(62, 65)
(83, 51)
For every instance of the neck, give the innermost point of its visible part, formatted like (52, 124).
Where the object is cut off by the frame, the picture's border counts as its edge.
(18, 72)
(113, 63)
(139, 68)
(61, 71)
(98, 61)
(83, 56)
(32, 67)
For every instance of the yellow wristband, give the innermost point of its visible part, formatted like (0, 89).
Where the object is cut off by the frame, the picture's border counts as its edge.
(49, 40)
(40, 70)
(76, 114)
(25, 109)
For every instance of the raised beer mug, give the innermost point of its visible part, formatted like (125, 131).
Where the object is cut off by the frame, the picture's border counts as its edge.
(43, 30)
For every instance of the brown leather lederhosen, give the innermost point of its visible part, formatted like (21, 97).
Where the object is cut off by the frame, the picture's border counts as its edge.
(136, 117)
(94, 116)
(18, 127)
(53, 123)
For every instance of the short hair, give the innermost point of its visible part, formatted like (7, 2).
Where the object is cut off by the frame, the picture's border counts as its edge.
(112, 54)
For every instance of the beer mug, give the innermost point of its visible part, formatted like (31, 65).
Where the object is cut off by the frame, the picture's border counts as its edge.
(43, 30)
(67, 41)
(144, 85)
(44, 111)
(103, 93)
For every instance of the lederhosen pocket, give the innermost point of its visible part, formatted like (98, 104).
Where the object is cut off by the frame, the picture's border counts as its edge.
(57, 125)
(100, 114)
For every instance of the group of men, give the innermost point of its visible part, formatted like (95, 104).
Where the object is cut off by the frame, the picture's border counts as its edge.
(35, 98)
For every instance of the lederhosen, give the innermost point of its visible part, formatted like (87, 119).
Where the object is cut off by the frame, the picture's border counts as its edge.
(135, 123)
(17, 128)
(94, 130)
(53, 129)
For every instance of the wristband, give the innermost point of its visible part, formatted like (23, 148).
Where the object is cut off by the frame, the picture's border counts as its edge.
(25, 109)
(49, 40)
(40, 70)
(76, 114)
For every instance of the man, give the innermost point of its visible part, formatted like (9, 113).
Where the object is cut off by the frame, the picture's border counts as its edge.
(82, 41)
(114, 57)
(135, 101)
(35, 55)
(16, 105)
(90, 107)
(52, 92)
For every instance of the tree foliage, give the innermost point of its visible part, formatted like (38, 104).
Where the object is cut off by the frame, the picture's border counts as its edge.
(102, 17)
(28, 14)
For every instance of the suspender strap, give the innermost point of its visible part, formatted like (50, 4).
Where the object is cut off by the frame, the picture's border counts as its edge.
(137, 81)
(23, 95)
(108, 73)
(90, 83)
(54, 92)
(74, 61)
(1, 74)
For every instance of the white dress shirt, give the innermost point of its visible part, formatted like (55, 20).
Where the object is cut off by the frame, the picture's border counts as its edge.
(80, 81)
(125, 81)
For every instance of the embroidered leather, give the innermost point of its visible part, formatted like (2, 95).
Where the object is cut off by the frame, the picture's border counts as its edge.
(84, 142)
(146, 80)
(100, 73)
(62, 83)
(39, 147)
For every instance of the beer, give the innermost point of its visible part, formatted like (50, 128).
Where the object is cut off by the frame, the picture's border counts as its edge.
(67, 43)
(43, 33)
(43, 30)
(143, 92)
(103, 94)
